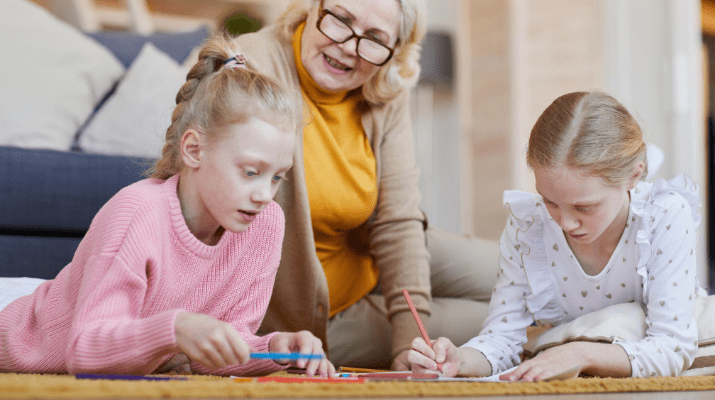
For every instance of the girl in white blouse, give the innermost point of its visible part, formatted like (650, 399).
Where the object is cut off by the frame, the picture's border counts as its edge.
(596, 235)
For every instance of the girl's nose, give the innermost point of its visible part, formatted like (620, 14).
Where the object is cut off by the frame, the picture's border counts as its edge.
(263, 193)
(567, 222)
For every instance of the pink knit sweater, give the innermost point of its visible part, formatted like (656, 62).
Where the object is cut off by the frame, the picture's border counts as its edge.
(112, 309)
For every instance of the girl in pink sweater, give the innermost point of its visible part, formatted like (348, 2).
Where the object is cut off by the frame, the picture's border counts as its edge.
(179, 266)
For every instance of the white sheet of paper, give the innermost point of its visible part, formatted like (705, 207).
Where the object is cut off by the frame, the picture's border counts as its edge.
(492, 378)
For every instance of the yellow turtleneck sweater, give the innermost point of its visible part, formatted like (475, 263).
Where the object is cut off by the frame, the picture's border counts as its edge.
(342, 185)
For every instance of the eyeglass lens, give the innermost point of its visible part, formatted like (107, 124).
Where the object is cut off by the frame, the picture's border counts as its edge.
(340, 32)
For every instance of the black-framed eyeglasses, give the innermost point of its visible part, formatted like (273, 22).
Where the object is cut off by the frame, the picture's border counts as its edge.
(339, 31)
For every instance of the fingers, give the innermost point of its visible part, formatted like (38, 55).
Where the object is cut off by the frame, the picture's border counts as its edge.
(529, 372)
(422, 357)
(305, 343)
(178, 364)
(210, 342)
(419, 363)
(441, 348)
(240, 349)
(224, 347)
(314, 346)
(419, 345)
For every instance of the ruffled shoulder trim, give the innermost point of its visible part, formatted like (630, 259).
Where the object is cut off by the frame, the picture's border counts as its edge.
(526, 228)
(650, 199)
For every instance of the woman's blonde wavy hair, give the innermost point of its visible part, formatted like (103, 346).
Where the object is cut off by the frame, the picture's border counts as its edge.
(215, 97)
(590, 131)
(403, 69)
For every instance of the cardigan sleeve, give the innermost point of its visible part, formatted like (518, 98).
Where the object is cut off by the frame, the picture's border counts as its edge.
(397, 229)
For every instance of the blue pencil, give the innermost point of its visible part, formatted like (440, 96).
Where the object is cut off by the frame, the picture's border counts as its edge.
(286, 356)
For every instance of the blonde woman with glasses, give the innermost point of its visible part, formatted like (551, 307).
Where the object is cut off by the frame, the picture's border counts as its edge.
(355, 235)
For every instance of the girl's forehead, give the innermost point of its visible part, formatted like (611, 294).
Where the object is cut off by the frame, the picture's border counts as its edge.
(569, 185)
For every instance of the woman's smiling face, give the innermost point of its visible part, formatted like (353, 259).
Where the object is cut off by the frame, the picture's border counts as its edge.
(336, 67)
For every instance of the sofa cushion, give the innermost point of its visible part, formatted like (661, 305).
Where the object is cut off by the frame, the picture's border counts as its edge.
(126, 45)
(47, 191)
(133, 121)
(52, 77)
(35, 256)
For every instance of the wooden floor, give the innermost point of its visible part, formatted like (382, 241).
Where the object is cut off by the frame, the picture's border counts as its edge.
(698, 395)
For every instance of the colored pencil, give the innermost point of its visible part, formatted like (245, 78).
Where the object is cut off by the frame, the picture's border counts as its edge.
(300, 379)
(423, 331)
(129, 377)
(357, 369)
(287, 356)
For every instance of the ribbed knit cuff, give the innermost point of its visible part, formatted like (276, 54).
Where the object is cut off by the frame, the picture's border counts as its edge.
(404, 330)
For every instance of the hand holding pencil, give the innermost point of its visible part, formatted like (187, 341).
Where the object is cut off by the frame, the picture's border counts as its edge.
(426, 356)
(302, 342)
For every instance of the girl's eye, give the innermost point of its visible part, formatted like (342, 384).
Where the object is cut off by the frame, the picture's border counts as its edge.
(584, 209)
(278, 178)
(251, 173)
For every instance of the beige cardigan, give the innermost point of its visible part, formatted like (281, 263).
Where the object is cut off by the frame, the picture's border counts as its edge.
(394, 233)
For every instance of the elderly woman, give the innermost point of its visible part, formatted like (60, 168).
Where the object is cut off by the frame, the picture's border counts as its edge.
(355, 235)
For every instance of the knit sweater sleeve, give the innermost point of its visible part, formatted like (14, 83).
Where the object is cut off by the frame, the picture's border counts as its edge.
(108, 333)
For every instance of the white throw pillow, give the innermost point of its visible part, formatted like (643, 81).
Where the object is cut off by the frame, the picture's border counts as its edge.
(134, 120)
(51, 77)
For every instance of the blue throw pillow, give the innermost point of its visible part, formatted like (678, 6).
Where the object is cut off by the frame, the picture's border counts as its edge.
(126, 45)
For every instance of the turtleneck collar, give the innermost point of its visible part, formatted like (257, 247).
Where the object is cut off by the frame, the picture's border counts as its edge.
(310, 88)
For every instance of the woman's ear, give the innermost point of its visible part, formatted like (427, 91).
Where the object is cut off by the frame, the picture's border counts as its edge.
(191, 148)
(636, 175)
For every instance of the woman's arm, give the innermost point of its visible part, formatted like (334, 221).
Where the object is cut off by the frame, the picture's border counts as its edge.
(397, 237)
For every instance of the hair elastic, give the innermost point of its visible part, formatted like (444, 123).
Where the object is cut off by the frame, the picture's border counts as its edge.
(238, 61)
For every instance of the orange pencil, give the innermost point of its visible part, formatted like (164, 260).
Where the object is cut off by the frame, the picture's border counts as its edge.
(423, 331)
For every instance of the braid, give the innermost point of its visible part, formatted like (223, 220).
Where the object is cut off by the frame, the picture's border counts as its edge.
(211, 59)
(215, 96)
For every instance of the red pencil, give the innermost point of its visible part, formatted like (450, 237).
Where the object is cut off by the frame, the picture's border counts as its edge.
(423, 331)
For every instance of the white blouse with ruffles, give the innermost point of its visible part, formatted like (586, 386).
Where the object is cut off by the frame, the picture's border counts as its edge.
(540, 280)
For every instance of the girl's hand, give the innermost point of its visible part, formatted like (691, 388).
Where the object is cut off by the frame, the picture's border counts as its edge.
(547, 364)
(597, 359)
(424, 359)
(179, 364)
(302, 342)
(210, 342)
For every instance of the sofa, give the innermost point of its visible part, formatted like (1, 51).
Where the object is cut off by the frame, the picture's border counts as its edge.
(82, 116)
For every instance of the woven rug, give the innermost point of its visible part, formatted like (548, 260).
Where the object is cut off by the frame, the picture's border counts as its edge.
(24, 386)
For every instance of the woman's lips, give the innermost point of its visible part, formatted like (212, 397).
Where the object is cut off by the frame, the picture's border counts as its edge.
(335, 65)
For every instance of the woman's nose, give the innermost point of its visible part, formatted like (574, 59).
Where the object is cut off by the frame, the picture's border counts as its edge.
(349, 46)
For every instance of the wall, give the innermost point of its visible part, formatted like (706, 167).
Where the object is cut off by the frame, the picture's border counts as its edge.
(435, 115)
(519, 55)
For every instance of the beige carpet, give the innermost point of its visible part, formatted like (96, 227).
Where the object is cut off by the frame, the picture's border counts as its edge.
(22, 386)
